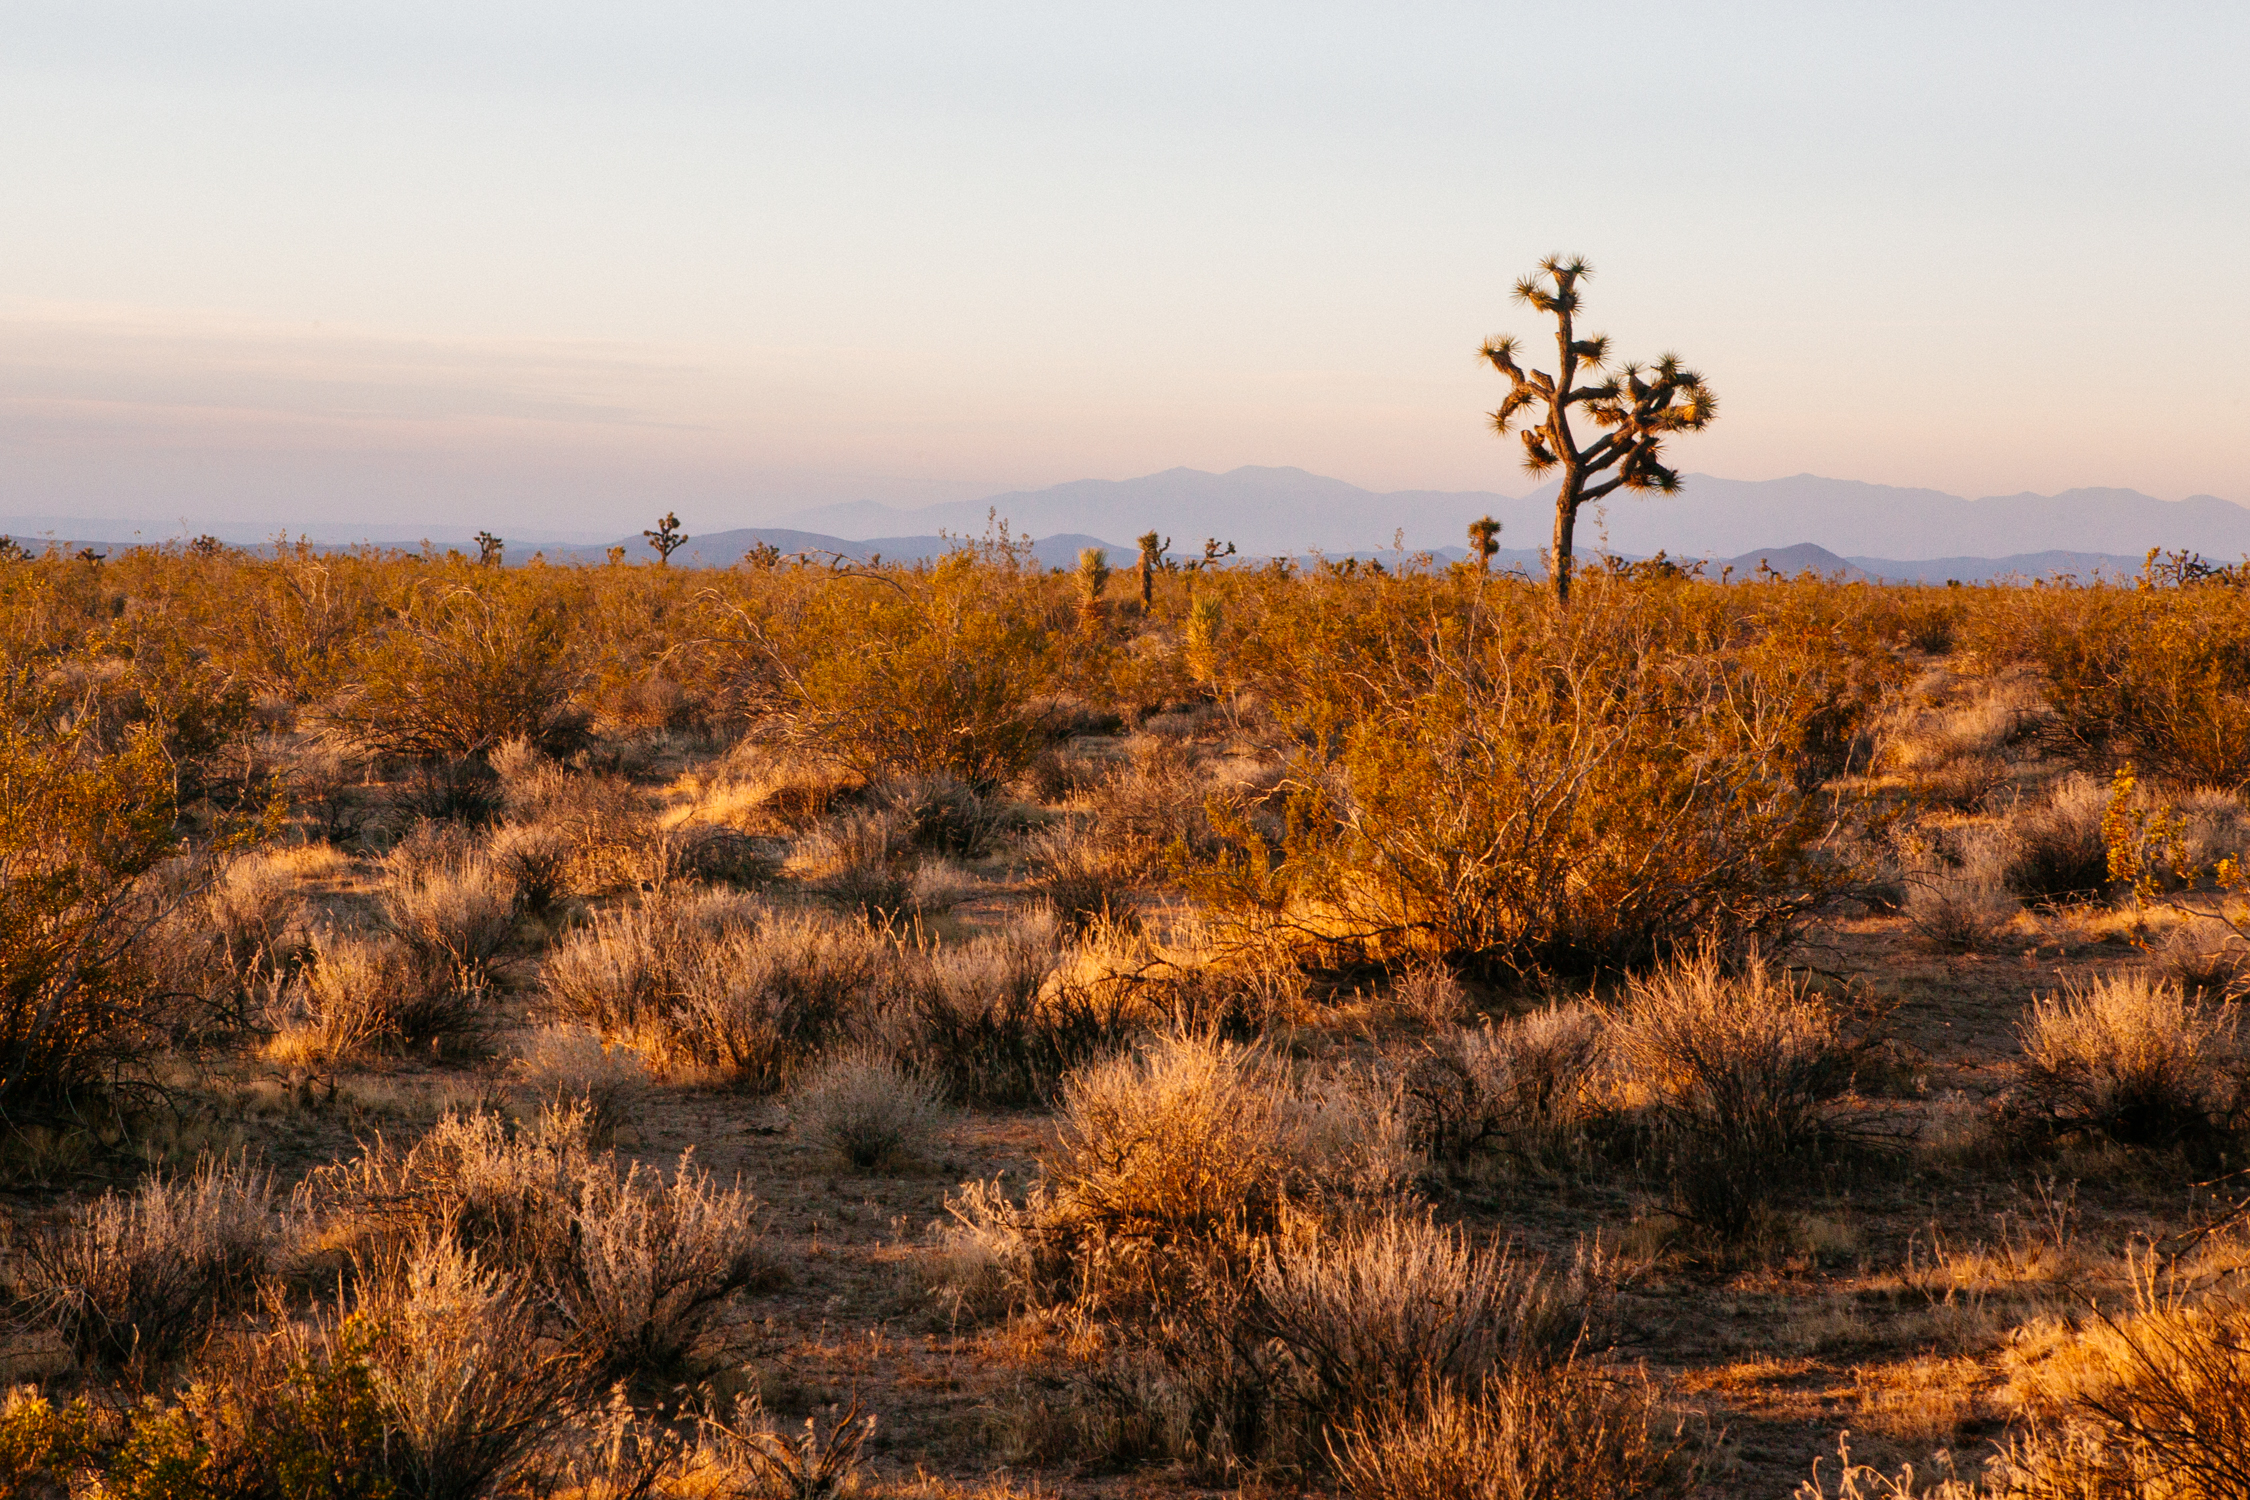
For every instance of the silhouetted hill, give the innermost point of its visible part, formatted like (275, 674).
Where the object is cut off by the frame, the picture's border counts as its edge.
(1288, 511)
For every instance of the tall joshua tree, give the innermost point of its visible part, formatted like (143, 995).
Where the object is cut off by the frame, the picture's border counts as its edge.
(1637, 406)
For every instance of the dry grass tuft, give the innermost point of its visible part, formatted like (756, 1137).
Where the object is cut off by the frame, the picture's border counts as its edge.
(136, 1281)
(1430, 994)
(368, 993)
(632, 1266)
(432, 1383)
(2132, 1060)
(2204, 964)
(570, 1066)
(997, 1021)
(2056, 849)
(1395, 1307)
(1743, 1074)
(721, 986)
(1561, 1432)
(1964, 908)
(448, 903)
(866, 1110)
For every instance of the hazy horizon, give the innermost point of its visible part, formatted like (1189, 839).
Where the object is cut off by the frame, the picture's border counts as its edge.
(545, 267)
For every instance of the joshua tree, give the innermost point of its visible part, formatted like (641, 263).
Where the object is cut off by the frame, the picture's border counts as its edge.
(490, 548)
(1639, 406)
(667, 538)
(1484, 535)
(1152, 556)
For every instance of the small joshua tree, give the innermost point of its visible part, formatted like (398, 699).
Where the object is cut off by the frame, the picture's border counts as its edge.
(1484, 533)
(1093, 578)
(1639, 406)
(1152, 557)
(490, 548)
(667, 538)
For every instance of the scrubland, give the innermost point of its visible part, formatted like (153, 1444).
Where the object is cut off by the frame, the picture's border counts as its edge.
(969, 1030)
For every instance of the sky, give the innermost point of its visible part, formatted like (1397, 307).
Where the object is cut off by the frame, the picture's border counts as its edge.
(554, 265)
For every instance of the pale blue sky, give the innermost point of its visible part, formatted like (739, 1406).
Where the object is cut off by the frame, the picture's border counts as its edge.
(547, 263)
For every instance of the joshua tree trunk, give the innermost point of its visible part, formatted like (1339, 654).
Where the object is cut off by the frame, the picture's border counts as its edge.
(1566, 526)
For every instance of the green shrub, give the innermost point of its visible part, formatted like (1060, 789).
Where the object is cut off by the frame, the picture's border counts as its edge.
(82, 834)
(1524, 792)
(923, 673)
(2160, 676)
(461, 669)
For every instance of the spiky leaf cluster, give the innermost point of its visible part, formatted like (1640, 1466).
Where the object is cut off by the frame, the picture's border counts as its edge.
(1637, 406)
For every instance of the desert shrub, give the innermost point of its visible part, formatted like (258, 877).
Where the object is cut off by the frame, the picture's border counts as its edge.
(1346, 1129)
(994, 1021)
(1568, 1431)
(451, 789)
(1963, 784)
(1153, 811)
(1522, 1084)
(919, 673)
(2151, 1401)
(943, 815)
(1742, 1075)
(431, 1385)
(1170, 1166)
(1430, 994)
(1179, 1144)
(1960, 908)
(718, 856)
(569, 1067)
(1079, 875)
(84, 836)
(256, 915)
(865, 1109)
(139, 1280)
(2057, 850)
(1394, 1307)
(597, 825)
(451, 907)
(374, 992)
(2132, 1060)
(459, 671)
(653, 1262)
(867, 863)
(631, 1266)
(2157, 675)
(534, 860)
(719, 985)
(2205, 964)
(864, 861)
(42, 1446)
(1528, 790)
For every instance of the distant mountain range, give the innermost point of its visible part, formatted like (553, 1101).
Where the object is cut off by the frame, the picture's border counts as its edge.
(1837, 525)
(1275, 511)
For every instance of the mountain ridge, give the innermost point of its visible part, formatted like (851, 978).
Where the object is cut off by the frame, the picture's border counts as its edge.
(1273, 510)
